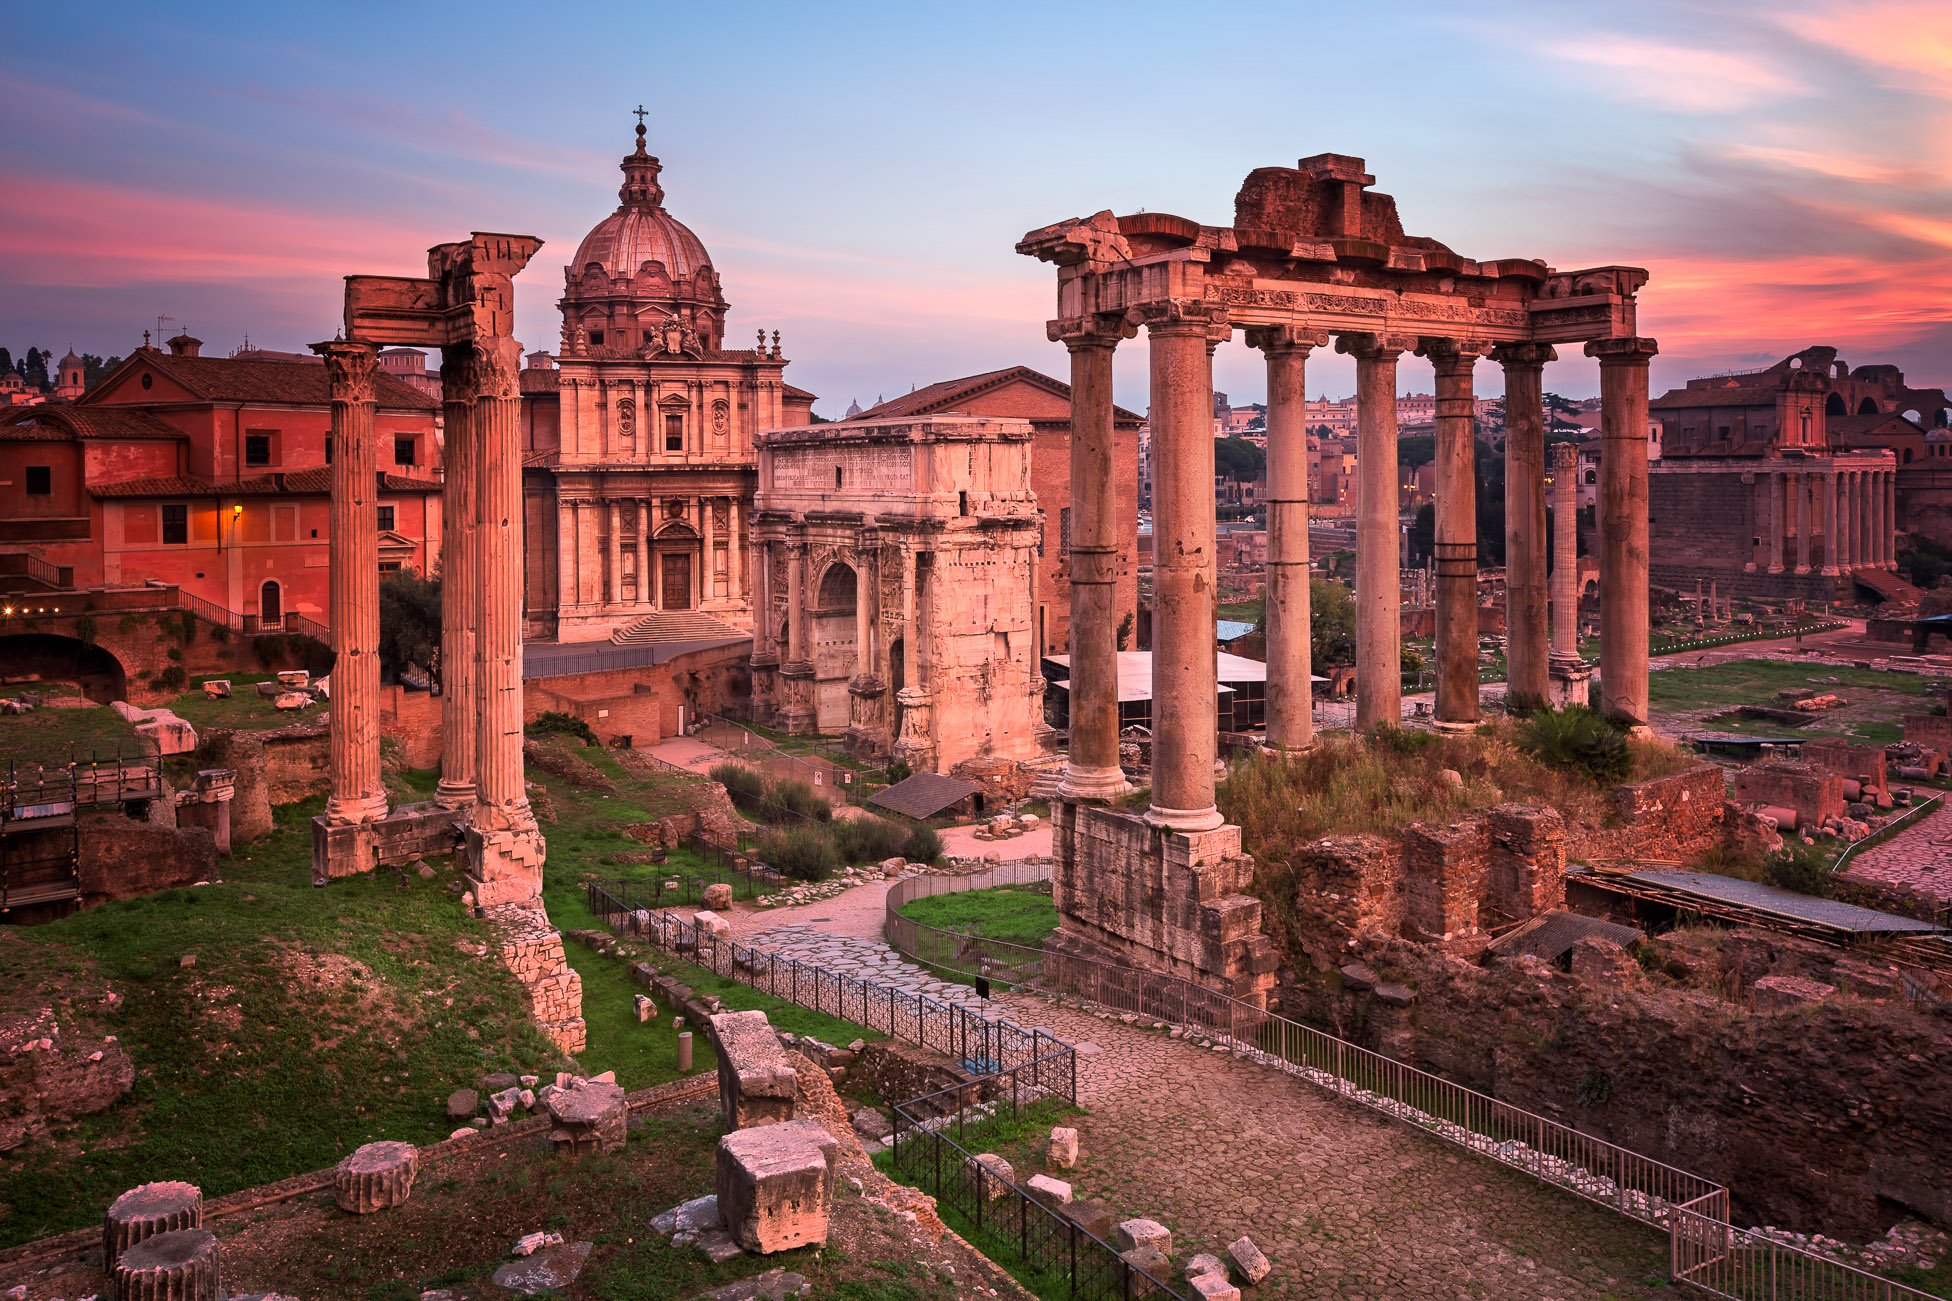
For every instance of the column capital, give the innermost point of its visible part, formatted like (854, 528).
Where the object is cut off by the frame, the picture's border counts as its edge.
(1292, 337)
(1183, 316)
(1442, 349)
(498, 366)
(460, 373)
(1095, 330)
(1530, 355)
(1366, 346)
(1565, 457)
(351, 364)
(1622, 352)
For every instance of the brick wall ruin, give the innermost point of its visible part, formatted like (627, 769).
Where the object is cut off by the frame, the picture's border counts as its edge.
(1815, 795)
(532, 950)
(123, 859)
(1130, 892)
(1863, 764)
(1669, 819)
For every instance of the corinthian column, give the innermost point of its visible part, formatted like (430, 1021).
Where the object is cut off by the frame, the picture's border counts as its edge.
(460, 578)
(1185, 677)
(357, 794)
(1092, 771)
(1456, 533)
(1800, 484)
(613, 523)
(1565, 551)
(1888, 527)
(507, 845)
(1623, 526)
(1379, 595)
(1290, 699)
(1830, 521)
(1526, 672)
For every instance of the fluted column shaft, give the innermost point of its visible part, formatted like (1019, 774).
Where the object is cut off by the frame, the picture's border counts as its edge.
(460, 578)
(613, 520)
(796, 647)
(357, 793)
(1888, 530)
(1185, 678)
(1290, 665)
(1092, 770)
(1830, 523)
(1800, 485)
(1777, 526)
(503, 796)
(1379, 596)
(1456, 535)
(863, 624)
(1527, 674)
(1860, 515)
(708, 560)
(1623, 526)
(1565, 550)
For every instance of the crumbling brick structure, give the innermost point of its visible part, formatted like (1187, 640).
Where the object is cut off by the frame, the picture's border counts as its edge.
(1445, 872)
(1863, 764)
(1813, 794)
(532, 950)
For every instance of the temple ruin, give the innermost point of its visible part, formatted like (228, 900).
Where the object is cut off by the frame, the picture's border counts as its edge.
(1312, 253)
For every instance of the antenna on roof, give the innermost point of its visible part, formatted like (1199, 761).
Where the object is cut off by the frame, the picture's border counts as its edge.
(161, 317)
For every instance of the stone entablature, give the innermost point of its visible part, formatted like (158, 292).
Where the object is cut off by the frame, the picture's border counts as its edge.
(894, 587)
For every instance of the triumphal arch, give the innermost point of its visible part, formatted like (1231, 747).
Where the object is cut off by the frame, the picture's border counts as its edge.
(465, 307)
(1312, 254)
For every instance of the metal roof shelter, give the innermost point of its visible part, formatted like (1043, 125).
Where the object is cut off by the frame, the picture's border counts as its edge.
(924, 795)
(1734, 899)
(1551, 935)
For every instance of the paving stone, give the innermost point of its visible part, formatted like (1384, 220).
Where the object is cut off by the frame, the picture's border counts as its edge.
(551, 1269)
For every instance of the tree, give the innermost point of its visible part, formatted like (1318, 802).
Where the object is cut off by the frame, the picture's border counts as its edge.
(93, 368)
(1415, 450)
(410, 622)
(1238, 460)
(1553, 402)
(1423, 534)
(1331, 624)
(6, 361)
(36, 368)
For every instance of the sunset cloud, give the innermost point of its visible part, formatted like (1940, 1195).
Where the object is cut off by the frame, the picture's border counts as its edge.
(1908, 41)
(1677, 78)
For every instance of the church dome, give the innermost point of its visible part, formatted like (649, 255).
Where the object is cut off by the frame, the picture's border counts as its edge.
(635, 234)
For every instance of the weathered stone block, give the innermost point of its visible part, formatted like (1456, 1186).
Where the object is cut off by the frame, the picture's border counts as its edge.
(1780, 993)
(1049, 1191)
(645, 1009)
(1143, 1233)
(375, 1177)
(991, 1175)
(588, 1115)
(755, 1077)
(181, 1265)
(1062, 1152)
(147, 1210)
(1603, 963)
(718, 896)
(1247, 1258)
(775, 1186)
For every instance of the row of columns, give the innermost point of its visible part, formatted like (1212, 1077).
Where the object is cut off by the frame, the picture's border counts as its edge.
(481, 668)
(587, 528)
(1183, 336)
(1858, 512)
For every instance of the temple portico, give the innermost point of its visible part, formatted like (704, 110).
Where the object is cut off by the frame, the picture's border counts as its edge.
(1311, 255)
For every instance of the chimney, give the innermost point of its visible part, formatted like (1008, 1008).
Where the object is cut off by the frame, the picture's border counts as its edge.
(185, 346)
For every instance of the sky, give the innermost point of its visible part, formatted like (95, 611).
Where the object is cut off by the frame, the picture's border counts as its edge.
(861, 172)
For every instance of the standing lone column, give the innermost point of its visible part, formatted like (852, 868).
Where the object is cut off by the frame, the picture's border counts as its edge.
(1800, 485)
(1830, 522)
(357, 794)
(1290, 697)
(1379, 595)
(1526, 675)
(460, 578)
(1565, 552)
(1456, 533)
(1185, 672)
(1092, 770)
(1623, 526)
(1860, 512)
(506, 844)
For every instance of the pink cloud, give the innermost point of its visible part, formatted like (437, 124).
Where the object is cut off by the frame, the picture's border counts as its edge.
(1670, 76)
(1910, 40)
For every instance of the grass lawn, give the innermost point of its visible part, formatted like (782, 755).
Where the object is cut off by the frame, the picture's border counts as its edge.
(53, 736)
(1756, 682)
(1018, 914)
(312, 1021)
(244, 710)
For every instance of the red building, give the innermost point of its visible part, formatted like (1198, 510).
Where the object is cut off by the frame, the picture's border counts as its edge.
(209, 474)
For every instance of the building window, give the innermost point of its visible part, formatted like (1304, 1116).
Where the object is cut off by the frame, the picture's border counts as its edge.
(176, 524)
(674, 433)
(386, 517)
(328, 449)
(257, 449)
(403, 451)
(596, 338)
(389, 566)
(40, 480)
(839, 478)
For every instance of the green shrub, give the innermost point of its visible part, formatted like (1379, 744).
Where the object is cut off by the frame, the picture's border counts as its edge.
(899, 771)
(1579, 740)
(869, 840)
(172, 678)
(923, 845)
(746, 787)
(554, 722)
(803, 853)
(85, 630)
(798, 797)
(1800, 867)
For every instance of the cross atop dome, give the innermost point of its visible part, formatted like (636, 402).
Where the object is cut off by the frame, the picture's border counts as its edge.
(640, 188)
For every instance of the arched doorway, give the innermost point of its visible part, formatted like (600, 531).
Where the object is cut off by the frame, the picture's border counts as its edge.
(271, 607)
(835, 644)
(1868, 407)
(1834, 405)
(674, 568)
(50, 658)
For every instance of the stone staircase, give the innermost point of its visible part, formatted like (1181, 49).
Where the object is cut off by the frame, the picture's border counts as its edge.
(1885, 585)
(673, 625)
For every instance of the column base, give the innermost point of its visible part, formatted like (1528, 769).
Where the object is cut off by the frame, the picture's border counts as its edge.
(349, 848)
(455, 795)
(1205, 819)
(1773, 569)
(1280, 751)
(1831, 571)
(1571, 683)
(1454, 727)
(1802, 569)
(367, 808)
(1084, 784)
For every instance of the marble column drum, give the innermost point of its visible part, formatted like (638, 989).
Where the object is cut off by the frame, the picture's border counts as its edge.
(1092, 770)
(1379, 590)
(1623, 526)
(1526, 668)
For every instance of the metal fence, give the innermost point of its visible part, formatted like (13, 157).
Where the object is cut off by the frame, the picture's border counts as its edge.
(748, 877)
(931, 1150)
(834, 781)
(1691, 1209)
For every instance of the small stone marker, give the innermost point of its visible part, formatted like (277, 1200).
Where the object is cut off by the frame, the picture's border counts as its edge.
(718, 896)
(775, 1185)
(462, 1103)
(644, 1007)
(1049, 1191)
(713, 924)
(147, 1210)
(1093, 1217)
(992, 1175)
(217, 688)
(755, 1080)
(1247, 1258)
(375, 1177)
(1205, 1263)
(589, 1115)
(180, 1265)
(1214, 1287)
(1063, 1151)
(1143, 1233)
(684, 1050)
(549, 1270)
(1152, 1261)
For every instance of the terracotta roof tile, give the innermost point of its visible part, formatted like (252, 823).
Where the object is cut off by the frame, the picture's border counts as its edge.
(48, 420)
(286, 383)
(315, 482)
(945, 394)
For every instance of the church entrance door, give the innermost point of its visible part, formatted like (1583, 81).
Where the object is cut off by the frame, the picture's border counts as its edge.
(675, 580)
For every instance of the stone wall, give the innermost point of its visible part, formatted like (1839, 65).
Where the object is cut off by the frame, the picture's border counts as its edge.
(532, 949)
(1444, 870)
(1860, 763)
(1171, 901)
(412, 720)
(122, 859)
(1813, 794)
(297, 762)
(250, 800)
(1670, 818)
(643, 703)
(1828, 1116)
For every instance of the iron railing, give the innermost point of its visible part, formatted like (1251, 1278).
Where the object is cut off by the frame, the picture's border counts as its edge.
(1705, 1251)
(748, 877)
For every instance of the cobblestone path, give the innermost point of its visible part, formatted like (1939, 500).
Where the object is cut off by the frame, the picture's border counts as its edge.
(1348, 1204)
(1919, 857)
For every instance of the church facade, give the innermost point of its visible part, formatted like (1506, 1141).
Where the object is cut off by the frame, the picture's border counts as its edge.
(639, 468)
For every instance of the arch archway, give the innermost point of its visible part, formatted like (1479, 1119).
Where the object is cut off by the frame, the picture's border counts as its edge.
(53, 658)
(271, 604)
(1868, 407)
(836, 645)
(1834, 405)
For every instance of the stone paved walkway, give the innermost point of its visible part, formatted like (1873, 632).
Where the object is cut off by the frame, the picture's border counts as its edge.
(1348, 1204)
(1918, 858)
